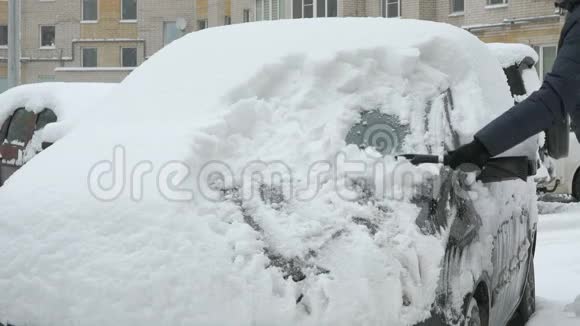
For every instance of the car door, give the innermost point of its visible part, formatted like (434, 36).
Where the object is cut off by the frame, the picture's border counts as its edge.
(512, 238)
(17, 132)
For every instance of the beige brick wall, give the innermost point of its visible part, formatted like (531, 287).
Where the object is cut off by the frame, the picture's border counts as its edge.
(109, 24)
(3, 12)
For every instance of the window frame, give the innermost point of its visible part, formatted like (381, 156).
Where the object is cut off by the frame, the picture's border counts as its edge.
(130, 20)
(384, 8)
(227, 20)
(83, 57)
(123, 56)
(49, 47)
(83, 20)
(540, 63)
(314, 9)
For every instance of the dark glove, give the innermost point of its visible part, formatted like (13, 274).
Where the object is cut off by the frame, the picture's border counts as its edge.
(473, 153)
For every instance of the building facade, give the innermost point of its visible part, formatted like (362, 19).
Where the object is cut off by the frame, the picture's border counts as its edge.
(103, 40)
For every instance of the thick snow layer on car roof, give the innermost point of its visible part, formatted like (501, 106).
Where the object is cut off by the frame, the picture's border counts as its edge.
(68, 100)
(84, 246)
(509, 54)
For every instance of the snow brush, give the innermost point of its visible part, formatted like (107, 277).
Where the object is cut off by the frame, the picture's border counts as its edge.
(495, 170)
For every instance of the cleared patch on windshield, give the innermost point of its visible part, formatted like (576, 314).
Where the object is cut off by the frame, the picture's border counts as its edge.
(381, 131)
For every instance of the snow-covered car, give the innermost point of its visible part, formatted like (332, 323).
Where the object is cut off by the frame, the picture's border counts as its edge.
(564, 172)
(34, 116)
(248, 175)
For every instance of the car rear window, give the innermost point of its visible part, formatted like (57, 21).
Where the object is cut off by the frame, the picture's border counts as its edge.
(45, 117)
(20, 128)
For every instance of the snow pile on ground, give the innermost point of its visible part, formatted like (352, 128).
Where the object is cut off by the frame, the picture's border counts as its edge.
(557, 263)
(69, 101)
(242, 250)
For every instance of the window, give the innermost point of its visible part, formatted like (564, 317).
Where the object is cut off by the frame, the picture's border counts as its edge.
(129, 9)
(89, 57)
(497, 2)
(47, 36)
(457, 6)
(246, 16)
(391, 8)
(202, 24)
(547, 54)
(269, 9)
(45, 117)
(171, 32)
(314, 8)
(129, 57)
(3, 35)
(90, 10)
(21, 126)
(227, 20)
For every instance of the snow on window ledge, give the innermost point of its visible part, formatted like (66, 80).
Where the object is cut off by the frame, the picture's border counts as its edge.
(128, 21)
(457, 14)
(52, 47)
(89, 21)
(498, 6)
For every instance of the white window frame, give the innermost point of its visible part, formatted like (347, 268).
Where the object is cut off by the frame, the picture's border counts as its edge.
(540, 63)
(122, 56)
(314, 9)
(451, 6)
(83, 21)
(46, 47)
(83, 56)
(383, 7)
(136, 13)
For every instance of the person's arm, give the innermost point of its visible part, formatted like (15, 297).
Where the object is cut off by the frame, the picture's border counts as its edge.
(556, 98)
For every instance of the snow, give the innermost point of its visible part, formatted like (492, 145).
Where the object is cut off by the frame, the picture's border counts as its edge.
(557, 263)
(509, 54)
(147, 252)
(69, 101)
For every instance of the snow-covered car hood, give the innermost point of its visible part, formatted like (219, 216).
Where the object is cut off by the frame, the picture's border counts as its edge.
(165, 240)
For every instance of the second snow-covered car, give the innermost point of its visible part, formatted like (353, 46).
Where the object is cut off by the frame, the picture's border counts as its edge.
(248, 175)
(34, 116)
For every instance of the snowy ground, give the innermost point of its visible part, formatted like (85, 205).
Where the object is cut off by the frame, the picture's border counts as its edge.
(558, 265)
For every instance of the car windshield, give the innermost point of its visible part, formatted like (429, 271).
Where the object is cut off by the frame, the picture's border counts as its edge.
(383, 132)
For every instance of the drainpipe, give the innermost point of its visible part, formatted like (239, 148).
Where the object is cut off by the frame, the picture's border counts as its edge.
(13, 43)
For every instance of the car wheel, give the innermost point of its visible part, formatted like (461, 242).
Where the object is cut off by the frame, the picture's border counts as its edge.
(527, 306)
(576, 185)
(473, 315)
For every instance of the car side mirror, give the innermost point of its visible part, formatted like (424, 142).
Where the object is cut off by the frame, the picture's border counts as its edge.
(558, 139)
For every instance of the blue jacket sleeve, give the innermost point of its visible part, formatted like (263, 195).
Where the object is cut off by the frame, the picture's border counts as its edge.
(556, 98)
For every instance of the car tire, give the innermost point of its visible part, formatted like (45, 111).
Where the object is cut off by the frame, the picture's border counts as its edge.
(527, 305)
(472, 314)
(576, 185)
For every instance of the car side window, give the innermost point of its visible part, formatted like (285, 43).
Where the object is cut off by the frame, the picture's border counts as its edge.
(21, 126)
(4, 130)
(45, 117)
